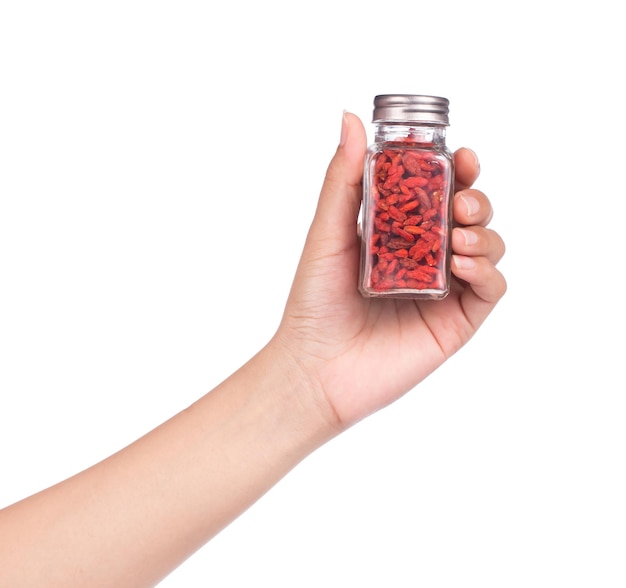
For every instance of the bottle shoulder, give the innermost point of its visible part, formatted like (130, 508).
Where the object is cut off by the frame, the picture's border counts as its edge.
(438, 150)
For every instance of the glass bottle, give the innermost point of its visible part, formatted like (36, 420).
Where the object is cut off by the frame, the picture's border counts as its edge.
(406, 214)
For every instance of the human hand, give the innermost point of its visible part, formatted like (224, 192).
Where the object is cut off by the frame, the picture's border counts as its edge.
(335, 358)
(361, 354)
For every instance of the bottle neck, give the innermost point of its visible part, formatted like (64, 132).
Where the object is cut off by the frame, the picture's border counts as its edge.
(410, 133)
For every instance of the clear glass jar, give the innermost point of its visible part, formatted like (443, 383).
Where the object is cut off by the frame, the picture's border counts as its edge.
(406, 214)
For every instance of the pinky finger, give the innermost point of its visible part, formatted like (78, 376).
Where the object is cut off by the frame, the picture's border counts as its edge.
(484, 286)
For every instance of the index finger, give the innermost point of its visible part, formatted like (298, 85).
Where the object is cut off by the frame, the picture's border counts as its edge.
(466, 168)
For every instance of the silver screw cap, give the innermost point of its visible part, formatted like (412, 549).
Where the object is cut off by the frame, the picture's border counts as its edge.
(411, 108)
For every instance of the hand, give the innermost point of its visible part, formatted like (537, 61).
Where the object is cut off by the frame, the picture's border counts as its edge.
(362, 354)
(334, 351)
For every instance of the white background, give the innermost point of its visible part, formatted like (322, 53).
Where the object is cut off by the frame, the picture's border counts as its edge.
(160, 163)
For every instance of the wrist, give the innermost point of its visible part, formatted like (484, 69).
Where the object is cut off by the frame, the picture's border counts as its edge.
(296, 392)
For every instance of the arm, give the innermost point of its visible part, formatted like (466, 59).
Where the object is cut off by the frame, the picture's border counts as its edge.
(132, 518)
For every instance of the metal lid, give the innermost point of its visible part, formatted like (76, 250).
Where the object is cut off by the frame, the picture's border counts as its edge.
(411, 108)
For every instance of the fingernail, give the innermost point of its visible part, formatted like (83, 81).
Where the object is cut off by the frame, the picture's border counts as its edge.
(471, 204)
(344, 129)
(470, 236)
(475, 157)
(463, 262)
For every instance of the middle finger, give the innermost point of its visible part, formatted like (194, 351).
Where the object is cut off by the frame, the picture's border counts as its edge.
(478, 241)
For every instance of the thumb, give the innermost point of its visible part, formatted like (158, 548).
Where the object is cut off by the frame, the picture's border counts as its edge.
(340, 198)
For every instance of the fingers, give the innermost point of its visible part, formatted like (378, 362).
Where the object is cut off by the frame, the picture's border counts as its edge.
(340, 197)
(471, 207)
(351, 151)
(345, 171)
(472, 211)
(478, 241)
(475, 249)
(475, 252)
(466, 168)
(487, 285)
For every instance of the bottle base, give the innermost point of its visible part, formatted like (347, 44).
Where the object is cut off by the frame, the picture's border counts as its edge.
(406, 294)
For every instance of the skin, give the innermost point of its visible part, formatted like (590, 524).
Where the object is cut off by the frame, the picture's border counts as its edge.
(335, 358)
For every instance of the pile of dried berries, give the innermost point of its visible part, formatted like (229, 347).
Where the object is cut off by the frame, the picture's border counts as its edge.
(409, 216)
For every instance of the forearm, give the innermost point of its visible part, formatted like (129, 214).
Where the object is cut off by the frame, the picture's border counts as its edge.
(131, 519)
